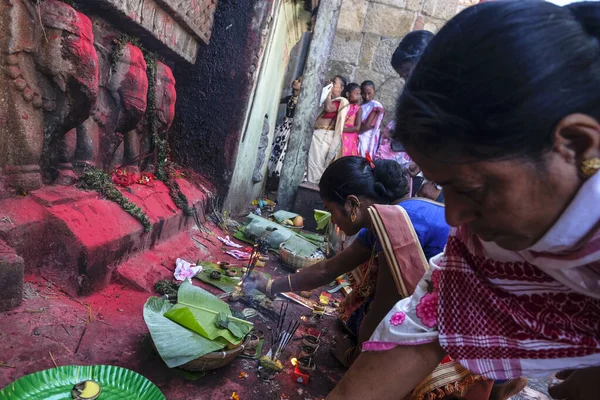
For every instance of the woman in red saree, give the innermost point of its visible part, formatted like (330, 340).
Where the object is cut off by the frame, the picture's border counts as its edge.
(517, 290)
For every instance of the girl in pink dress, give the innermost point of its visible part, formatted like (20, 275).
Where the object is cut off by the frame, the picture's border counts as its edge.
(353, 121)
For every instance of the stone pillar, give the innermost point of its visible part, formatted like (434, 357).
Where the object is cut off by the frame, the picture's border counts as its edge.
(11, 278)
(308, 103)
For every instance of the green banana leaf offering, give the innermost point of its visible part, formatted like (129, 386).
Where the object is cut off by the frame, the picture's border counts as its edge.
(198, 311)
(197, 325)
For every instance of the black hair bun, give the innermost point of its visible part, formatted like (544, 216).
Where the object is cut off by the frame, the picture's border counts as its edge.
(391, 181)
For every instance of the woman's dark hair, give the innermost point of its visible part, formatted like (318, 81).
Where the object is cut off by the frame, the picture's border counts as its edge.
(350, 87)
(498, 77)
(353, 175)
(368, 83)
(411, 47)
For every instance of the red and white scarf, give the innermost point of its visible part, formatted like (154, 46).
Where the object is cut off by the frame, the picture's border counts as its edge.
(504, 314)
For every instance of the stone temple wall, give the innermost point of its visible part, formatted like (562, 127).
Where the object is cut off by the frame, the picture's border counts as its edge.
(369, 31)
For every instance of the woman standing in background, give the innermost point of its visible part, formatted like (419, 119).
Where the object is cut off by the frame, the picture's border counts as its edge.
(282, 134)
(326, 143)
(372, 116)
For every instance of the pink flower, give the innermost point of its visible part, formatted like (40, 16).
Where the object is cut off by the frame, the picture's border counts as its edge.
(427, 309)
(435, 279)
(398, 318)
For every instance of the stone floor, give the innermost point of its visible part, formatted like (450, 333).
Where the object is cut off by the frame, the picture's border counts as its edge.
(107, 327)
(53, 328)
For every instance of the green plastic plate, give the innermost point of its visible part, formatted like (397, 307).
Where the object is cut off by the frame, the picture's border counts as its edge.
(56, 384)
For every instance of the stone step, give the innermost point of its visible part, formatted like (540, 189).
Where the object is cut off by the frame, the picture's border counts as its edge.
(76, 238)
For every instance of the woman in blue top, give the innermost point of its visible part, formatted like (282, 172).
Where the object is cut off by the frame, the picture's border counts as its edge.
(348, 188)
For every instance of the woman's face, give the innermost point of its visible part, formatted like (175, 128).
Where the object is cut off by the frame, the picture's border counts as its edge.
(338, 88)
(353, 96)
(340, 215)
(368, 93)
(512, 203)
(297, 84)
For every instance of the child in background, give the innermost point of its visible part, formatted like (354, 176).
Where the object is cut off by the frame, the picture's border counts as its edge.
(372, 116)
(353, 121)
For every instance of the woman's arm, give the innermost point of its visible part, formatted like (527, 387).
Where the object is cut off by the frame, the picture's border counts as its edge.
(329, 106)
(324, 272)
(391, 374)
(316, 275)
(357, 123)
(370, 122)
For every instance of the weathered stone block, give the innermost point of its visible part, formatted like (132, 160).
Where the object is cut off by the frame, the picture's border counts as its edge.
(352, 15)
(383, 55)
(346, 47)
(429, 23)
(171, 28)
(388, 95)
(388, 21)
(341, 68)
(394, 3)
(414, 5)
(442, 9)
(11, 278)
(365, 73)
(367, 51)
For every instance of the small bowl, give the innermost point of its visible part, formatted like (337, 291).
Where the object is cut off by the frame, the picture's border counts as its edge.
(311, 341)
(306, 351)
(259, 333)
(215, 275)
(230, 273)
(306, 365)
(252, 341)
(224, 265)
(249, 352)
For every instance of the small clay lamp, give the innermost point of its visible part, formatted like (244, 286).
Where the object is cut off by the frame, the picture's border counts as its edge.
(306, 365)
(224, 265)
(311, 341)
(307, 351)
(231, 273)
(249, 352)
(252, 341)
(259, 333)
(215, 275)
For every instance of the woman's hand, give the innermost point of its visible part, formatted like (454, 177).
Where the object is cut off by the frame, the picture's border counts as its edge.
(581, 384)
(256, 280)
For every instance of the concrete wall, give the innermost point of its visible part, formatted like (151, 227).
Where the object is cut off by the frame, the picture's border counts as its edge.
(369, 31)
(286, 28)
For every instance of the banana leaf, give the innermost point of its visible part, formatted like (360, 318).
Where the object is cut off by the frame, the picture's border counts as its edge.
(225, 283)
(282, 215)
(56, 384)
(323, 218)
(175, 344)
(197, 310)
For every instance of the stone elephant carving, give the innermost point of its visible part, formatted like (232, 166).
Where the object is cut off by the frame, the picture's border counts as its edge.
(139, 141)
(49, 86)
(121, 105)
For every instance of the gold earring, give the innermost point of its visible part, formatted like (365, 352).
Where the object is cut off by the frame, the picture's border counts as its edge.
(353, 215)
(590, 167)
